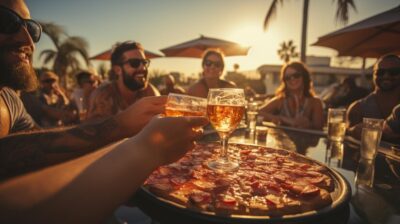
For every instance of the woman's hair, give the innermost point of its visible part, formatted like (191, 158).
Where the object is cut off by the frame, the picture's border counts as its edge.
(308, 89)
(216, 52)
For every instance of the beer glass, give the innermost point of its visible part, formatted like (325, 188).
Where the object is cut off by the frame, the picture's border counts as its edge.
(225, 111)
(183, 105)
(336, 124)
(370, 137)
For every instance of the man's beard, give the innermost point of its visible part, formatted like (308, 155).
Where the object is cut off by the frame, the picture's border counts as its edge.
(18, 76)
(132, 83)
(386, 85)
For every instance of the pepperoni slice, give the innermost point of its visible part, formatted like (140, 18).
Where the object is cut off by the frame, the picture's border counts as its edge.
(178, 180)
(200, 197)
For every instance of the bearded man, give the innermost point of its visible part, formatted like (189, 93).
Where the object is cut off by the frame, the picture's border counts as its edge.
(131, 67)
(380, 103)
(24, 151)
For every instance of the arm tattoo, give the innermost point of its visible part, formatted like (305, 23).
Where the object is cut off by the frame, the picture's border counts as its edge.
(24, 152)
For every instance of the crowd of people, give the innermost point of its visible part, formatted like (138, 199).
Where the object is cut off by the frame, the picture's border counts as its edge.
(116, 129)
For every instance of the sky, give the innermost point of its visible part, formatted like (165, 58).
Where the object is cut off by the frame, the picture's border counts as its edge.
(158, 24)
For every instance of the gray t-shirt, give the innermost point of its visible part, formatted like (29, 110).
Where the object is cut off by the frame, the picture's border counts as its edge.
(394, 120)
(20, 119)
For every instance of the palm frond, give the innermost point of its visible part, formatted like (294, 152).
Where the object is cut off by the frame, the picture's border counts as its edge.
(48, 55)
(54, 32)
(271, 12)
(342, 11)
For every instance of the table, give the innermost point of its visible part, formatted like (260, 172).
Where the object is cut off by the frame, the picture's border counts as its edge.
(380, 204)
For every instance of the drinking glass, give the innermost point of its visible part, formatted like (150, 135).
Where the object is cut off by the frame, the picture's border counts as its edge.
(183, 105)
(251, 114)
(370, 137)
(225, 111)
(336, 124)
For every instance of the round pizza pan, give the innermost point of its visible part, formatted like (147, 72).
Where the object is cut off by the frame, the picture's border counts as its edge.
(166, 211)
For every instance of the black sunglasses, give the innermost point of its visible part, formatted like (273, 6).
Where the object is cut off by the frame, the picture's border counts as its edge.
(216, 64)
(136, 62)
(49, 81)
(390, 71)
(11, 23)
(292, 76)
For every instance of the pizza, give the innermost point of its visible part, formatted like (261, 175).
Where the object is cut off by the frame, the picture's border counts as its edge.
(268, 182)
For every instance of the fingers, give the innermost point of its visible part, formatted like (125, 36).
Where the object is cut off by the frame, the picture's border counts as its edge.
(197, 121)
(156, 100)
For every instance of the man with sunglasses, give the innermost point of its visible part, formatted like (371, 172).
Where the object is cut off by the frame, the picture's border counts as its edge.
(130, 65)
(24, 152)
(382, 100)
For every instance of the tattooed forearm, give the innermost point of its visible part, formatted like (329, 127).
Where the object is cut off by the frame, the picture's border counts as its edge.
(29, 151)
(98, 134)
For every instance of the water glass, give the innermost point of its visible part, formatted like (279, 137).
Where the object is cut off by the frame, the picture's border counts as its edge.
(336, 124)
(370, 137)
(251, 114)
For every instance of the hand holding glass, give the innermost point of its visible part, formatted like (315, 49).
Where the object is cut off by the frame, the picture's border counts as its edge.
(183, 105)
(225, 111)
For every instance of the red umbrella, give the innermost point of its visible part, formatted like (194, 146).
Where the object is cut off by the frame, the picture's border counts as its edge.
(106, 55)
(371, 37)
(195, 48)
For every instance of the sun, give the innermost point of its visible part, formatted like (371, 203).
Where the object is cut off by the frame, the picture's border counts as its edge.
(263, 45)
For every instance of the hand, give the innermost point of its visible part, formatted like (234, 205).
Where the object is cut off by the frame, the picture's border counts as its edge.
(167, 139)
(135, 117)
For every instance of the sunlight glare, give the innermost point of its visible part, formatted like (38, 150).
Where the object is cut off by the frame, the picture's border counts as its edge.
(263, 46)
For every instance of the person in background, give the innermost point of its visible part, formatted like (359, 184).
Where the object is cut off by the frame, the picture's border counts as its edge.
(52, 95)
(213, 66)
(380, 103)
(295, 103)
(171, 86)
(87, 83)
(129, 63)
(345, 94)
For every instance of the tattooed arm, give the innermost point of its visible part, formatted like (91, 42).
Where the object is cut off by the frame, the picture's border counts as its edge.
(24, 152)
(24, 199)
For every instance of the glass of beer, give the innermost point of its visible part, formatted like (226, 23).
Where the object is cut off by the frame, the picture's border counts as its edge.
(183, 105)
(225, 110)
(370, 137)
(336, 124)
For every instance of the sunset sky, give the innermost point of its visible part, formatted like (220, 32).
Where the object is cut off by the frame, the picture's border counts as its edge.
(161, 23)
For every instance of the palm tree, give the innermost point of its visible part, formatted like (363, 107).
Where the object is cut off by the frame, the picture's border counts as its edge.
(342, 16)
(287, 51)
(65, 57)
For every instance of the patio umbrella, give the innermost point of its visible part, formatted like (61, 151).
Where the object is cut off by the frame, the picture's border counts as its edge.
(106, 55)
(371, 37)
(195, 48)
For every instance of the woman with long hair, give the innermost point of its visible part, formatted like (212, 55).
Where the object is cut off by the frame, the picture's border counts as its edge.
(295, 103)
(213, 65)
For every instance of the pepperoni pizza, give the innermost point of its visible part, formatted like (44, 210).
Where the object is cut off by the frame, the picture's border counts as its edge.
(269, 182)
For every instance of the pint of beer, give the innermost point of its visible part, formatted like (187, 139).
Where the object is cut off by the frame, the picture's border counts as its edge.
(183, 105)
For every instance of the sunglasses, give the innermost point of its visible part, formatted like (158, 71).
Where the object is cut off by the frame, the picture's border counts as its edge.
(49, 81)
(390, 71)
(11, 23)
(216, 64)
(293, 76)
(136, 62)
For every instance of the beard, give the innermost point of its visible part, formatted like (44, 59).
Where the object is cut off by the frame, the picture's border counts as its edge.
(386, 85)
(133, 82)
(18, 76)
